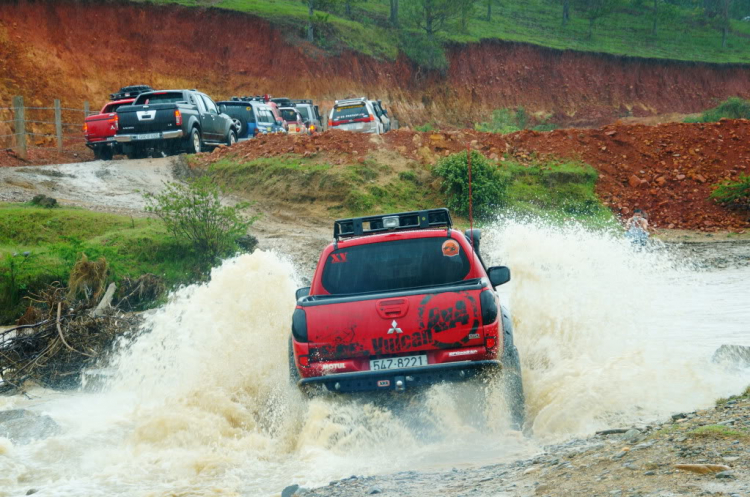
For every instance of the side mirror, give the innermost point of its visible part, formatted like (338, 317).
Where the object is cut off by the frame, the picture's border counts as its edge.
(499, 275)
(302, 292)
(385, 112)
(222, 108)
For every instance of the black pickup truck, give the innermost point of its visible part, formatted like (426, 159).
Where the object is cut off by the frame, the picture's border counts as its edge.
(171, 121)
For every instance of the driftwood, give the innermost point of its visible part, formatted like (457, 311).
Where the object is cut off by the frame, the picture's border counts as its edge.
(70, 338)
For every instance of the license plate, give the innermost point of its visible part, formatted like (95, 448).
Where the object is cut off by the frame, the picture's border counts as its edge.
(410, 361)
(148, 136)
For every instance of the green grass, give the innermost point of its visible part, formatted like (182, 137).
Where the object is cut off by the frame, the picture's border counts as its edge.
(55, 238)
(557, 190)
(717, 431)
(683, 35)
(731, 108)
(346, 189)
(564, 190)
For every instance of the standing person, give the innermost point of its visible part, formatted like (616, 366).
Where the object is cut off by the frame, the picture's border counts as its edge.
(637, 227)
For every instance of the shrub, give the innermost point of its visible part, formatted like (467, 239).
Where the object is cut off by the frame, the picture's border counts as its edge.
(731, 108)
(194, 213)
(734, 193)
(506, 121)
(488, 185)
(425, 128)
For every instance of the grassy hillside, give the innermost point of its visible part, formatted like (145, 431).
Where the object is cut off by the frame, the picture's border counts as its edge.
(39, 246)
(685, 31)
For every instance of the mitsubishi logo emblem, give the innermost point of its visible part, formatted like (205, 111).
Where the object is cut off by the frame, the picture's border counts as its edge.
(394, 328)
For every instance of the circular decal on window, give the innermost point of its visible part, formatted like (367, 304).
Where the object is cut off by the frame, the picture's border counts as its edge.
(450, 248)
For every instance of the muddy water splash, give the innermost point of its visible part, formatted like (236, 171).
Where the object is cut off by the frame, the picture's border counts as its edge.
(201, 404)
(610, 335)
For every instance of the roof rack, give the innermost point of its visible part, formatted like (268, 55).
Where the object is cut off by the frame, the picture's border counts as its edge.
(290, 102)
(130, 92)
(345, 101)
(415, 220)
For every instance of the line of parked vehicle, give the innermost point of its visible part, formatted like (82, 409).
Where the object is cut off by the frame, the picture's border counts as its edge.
(140, 121)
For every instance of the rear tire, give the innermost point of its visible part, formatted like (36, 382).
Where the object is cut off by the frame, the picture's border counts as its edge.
(240, 124)
(195, 142)
(294, 375)
(106, 153)
(231, 138)
(513, 386)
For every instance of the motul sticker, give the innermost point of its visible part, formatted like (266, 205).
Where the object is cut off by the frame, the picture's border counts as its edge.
(450, 248)
(340, 257)
(384, 383)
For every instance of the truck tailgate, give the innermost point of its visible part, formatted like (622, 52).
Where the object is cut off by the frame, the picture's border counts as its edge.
(101, 126)
(147, 118)
(343, 328)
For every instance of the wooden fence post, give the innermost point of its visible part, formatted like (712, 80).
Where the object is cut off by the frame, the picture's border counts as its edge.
(58, 125)
(20, 118)
(85, 109)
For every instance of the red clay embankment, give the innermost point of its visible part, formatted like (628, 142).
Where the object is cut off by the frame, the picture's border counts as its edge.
(79, 50)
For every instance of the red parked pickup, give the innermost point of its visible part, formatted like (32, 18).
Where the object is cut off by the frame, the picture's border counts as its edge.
(100, 130)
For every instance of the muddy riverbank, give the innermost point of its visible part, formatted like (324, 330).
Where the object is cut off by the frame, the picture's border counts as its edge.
(697, 453)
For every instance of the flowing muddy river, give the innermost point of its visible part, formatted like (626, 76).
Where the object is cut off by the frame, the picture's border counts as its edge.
(200, 403)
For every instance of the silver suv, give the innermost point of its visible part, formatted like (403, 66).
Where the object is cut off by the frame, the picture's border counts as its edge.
(355, 114)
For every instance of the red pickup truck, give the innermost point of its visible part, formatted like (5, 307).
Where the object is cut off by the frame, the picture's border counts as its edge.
(101, 128)
(402, 301)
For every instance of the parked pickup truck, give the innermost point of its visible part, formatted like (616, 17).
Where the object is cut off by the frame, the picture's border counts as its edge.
(100, 129)
(172, 121)
(403, 301)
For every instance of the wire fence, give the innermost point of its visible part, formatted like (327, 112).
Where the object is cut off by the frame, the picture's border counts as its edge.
(22, 127)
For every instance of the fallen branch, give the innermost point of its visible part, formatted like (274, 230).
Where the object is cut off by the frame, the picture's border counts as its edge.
(105, 302)
(59, 331)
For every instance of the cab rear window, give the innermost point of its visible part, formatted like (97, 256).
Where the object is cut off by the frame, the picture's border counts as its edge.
(112, 108)
(160, 98)
(305, 112)
(397, 265)
(349, 112)
(240, 111)
(288, 115)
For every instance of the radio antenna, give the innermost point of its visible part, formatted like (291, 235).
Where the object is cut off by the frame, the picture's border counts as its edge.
(471, 211)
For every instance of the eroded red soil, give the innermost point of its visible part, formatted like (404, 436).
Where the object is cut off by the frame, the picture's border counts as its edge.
(80, 50)
(668, 170)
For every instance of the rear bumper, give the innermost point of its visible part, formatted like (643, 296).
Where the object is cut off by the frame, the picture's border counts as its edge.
(142, 137)
(401, 379)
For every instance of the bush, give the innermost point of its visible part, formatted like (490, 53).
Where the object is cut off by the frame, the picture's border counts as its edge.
(734, 193)
(194, 213)
(731, 108)
(488, 185)
(506, 121)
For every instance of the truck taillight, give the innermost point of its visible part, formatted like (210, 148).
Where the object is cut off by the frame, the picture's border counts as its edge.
(297, 129)
(299, 325)
(85, 128)
(178, 118)
(489, 307)
(117, 121)
(372, 118)
(331, 124)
